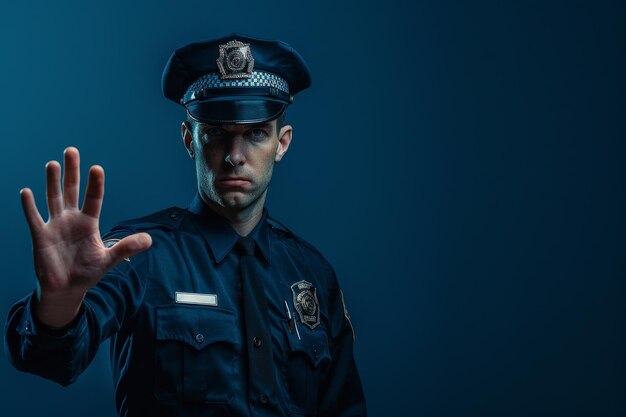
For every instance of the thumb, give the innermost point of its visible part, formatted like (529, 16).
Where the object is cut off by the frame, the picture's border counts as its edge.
(129, 246)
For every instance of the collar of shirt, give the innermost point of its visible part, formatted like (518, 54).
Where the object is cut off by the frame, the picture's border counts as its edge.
(221, 236)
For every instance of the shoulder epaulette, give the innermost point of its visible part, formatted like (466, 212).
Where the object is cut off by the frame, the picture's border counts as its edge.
(170, 218)
(277, 226)
(281, 228)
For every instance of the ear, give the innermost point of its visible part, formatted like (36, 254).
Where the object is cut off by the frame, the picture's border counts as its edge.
(185, 132)
(284, 139)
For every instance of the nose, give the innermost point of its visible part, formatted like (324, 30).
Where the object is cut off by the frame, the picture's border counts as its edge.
(236, 152)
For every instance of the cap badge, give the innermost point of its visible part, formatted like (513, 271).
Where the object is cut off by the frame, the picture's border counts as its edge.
(307, 305)
(235, 60)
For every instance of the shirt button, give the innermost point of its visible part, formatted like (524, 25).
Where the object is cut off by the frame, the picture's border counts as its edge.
(263, 399)
(257, 342)
(174, 215)
(315, 354)
(199, 338)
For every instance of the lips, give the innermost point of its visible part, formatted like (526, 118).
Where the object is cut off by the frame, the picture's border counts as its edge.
(233, 181)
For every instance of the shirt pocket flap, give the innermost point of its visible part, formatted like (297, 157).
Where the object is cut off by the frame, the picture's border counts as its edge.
(196, 326)
(314, 344)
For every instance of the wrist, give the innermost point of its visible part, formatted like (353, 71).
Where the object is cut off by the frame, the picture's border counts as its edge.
(57, 310)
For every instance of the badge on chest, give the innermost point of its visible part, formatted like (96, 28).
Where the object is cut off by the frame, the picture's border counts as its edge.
(306, 303)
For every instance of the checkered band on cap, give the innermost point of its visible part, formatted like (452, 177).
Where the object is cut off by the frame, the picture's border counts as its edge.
(214, 80)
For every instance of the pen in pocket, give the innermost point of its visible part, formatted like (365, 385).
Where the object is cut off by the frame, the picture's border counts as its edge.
(292, 321)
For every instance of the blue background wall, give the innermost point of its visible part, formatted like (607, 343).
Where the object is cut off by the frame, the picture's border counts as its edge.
(461, 164)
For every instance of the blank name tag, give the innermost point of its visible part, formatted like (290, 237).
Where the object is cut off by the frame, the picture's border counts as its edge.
(195, 298)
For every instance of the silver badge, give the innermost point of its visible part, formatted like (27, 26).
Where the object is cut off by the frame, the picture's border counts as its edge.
(307, 306)
(235, 60)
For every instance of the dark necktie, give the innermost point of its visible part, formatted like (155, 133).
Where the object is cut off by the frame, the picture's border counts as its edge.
(258, 337)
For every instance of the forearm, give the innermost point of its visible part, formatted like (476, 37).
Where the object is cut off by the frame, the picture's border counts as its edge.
(58, 355)
(341, 392)
(36, 345)
(57, 310)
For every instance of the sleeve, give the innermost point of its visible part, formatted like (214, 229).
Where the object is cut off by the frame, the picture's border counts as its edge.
(341, 392)
(62, 355)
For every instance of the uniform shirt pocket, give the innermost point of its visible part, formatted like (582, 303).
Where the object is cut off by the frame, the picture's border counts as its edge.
(196, 353)
(307, 356)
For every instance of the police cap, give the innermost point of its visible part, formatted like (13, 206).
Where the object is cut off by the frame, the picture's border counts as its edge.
(235, 79)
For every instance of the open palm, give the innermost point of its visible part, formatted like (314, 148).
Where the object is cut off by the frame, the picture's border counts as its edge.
(68, 251)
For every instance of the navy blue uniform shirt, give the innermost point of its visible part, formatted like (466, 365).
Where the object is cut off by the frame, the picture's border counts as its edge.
(177, 356)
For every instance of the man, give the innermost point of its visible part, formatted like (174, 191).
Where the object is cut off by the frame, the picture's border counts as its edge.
(213, 310)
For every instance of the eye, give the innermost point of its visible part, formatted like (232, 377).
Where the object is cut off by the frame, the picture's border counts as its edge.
(258, 134)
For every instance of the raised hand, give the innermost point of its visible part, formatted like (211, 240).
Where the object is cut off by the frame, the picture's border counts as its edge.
(68, 251)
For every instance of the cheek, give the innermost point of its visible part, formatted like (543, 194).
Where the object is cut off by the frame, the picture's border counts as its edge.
(267, 165)
(211, 159)
(206, 168)
(261, 157)
(268, 155)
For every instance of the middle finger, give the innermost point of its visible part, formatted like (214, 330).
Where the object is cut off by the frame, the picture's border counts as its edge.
(71, 177)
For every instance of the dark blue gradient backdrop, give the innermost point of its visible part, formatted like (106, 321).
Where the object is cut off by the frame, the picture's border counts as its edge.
(461, 164)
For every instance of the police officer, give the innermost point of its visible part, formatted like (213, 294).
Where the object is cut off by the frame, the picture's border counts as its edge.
(213, 310)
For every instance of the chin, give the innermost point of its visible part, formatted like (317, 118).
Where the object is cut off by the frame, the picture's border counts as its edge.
(236, 201)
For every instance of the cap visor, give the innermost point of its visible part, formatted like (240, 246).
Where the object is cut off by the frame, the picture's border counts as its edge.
(239, 111)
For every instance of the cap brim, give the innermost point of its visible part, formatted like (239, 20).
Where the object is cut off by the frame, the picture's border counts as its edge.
(227, 110)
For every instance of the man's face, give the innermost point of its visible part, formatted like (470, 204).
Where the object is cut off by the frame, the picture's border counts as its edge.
(253, 150)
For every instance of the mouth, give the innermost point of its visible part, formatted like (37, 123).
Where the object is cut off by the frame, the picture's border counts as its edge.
(233, 182)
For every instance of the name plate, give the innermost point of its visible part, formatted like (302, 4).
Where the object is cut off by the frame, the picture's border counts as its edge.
(195, 298)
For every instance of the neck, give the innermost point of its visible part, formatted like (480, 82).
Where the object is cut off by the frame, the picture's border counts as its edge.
(242, 220)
